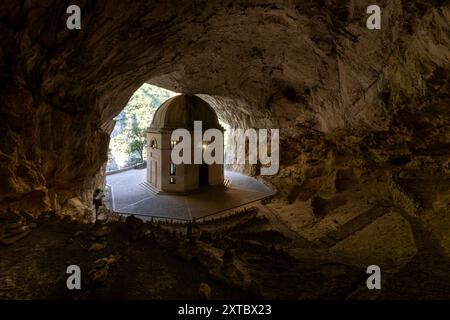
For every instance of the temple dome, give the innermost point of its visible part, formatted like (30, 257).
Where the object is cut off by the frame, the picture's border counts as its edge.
(181, 111)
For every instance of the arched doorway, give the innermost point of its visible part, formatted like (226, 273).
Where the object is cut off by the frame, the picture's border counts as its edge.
(203, 175)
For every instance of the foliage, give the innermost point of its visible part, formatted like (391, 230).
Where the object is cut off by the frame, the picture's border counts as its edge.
(98, 191)
(137, 138)
(128, 139)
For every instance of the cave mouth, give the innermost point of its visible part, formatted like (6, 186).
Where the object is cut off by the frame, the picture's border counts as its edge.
(128, 139)
(132, 169)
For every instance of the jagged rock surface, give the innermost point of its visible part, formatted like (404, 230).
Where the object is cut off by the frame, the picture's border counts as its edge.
(355, 106)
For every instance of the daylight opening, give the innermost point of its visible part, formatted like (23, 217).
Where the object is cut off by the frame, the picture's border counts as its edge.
(127, 147)
(143, 179)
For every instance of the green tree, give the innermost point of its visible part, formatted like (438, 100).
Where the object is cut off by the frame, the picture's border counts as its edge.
(134, 120)
(137, 139)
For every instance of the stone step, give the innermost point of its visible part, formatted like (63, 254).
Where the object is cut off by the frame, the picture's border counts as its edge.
(227, 183)
(148, 187)
(351, 227)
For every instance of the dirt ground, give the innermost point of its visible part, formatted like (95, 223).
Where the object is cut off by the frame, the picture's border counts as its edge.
(248, 254)
(35, 267)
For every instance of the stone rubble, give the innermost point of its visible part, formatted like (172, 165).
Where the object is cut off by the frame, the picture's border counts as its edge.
(14, 227)
(100, 269)
(204, 291)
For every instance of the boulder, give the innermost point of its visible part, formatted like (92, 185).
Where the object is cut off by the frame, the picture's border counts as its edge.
(97, 246)
(100, 268)
(204, 291)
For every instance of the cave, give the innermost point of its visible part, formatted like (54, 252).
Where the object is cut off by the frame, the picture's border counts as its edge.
(364, 146)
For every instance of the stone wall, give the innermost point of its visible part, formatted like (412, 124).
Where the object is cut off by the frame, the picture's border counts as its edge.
(342, 95)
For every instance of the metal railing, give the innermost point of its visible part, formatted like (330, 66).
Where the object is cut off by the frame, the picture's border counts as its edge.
(174, 221)
(136, 166)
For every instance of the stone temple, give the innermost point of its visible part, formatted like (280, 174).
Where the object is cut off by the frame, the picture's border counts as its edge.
(176, 113)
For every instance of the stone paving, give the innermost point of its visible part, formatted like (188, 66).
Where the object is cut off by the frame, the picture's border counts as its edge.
(131, 195)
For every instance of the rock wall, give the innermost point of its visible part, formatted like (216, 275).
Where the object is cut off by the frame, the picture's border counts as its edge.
(354, 105)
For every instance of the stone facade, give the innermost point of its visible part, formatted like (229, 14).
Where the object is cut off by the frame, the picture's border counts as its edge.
(176, 113)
